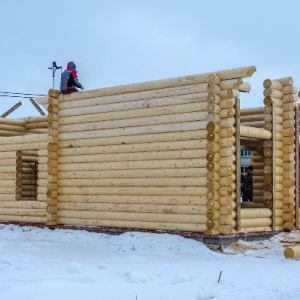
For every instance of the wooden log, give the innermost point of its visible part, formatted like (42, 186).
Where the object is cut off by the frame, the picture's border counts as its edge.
(258, 222)
(136, 208)
(289, 89)
(150, 129)
(286, 81)
(252, 118)
(273, 84)
(245, 87)
(17, 122)
(192, 201)
(258, 229)
(229, 94)
(139, 156)
(227, 103)
(213, 98)
(140, 182)
(292, 252)
(148, 138)
(30, 126)
(23, 219)
(169, 96)
(197, 227)
(133, 216)
(136, 121)
(253, 132)
(13, 128)
(155, 191)
(213, 88)
(128, 110)
(252, 111)
(254, 213)
(230, 84)
(273, 93)
(23, 139)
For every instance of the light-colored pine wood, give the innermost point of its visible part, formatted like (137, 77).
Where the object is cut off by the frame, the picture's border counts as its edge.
(292, 252)
(253, 132)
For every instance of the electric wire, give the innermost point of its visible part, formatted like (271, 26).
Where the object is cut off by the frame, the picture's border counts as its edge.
(23, 94)
(19, 95)
(16, 96)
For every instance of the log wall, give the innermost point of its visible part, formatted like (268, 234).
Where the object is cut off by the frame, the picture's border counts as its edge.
(281, 95)
(23, 198)
(157, 155)
(15, 127)
(161, 155)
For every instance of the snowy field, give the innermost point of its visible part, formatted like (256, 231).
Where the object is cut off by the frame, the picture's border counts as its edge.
(43, 264)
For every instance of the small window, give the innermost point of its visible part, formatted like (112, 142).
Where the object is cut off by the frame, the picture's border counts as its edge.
(27, 175)
(246, 153)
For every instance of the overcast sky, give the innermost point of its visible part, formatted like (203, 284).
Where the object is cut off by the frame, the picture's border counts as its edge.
(117, 42)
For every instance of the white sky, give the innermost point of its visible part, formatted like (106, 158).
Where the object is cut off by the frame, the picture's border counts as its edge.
(125, 41)
(44, 264)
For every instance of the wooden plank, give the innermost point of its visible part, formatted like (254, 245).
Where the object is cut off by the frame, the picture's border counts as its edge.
(297, 119)
(273, 167)
(37, 107)
(238, 166)
(12, 109)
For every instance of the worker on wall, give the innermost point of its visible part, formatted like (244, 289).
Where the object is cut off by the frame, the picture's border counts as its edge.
(69, 80)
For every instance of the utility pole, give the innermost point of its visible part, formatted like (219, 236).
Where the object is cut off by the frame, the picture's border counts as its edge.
(54, 68)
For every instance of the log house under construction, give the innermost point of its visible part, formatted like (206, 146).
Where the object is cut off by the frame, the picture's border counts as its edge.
(160, 156)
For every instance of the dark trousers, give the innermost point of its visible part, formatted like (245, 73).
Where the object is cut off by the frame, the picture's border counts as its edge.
(69, 91)
(247, 196)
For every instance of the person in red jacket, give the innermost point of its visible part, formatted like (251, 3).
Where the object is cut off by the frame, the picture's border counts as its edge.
(69, 81)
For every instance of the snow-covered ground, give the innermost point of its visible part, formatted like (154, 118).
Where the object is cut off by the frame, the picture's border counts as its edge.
(44, 264)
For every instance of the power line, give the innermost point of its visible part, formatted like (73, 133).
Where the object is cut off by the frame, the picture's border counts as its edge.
(23, 94)
(16, 96)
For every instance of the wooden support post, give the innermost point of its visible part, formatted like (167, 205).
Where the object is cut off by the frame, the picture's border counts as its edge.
(273, 166)
(37, 107)
(297, 165)
(238, 165)
(12, 109)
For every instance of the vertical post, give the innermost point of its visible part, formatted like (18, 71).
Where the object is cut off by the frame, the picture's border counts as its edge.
(238, 164)
(273, 165)
(297, 165)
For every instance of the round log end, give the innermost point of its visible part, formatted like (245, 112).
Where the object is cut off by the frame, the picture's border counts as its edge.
(267, 83)
(251, 71)
(54, 93)
(289, 253)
